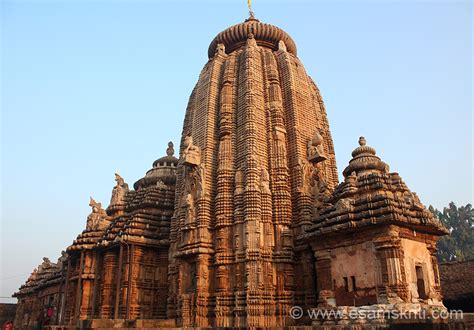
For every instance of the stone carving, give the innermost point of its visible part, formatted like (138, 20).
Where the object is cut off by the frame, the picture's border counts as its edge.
(62, 259)
(321, 196)
(191, 153)
(119, 191)
(265, 182)
(220, 50)
(239, 182)
(282, 46)
(307, 182)
(161, 185)
(190, 210)
(96, 220)
(350, 183)
(343, 205)
(170, 149)
(46, 263)
(198, 180)
(315, 148)
(380, 203)
(254, 254)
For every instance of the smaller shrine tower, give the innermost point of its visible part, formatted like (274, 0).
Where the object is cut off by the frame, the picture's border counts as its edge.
(374, 242)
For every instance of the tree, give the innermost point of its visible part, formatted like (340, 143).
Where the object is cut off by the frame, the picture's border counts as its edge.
(459, 245)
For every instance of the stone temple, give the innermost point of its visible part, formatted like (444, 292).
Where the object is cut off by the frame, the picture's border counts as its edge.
(250, 221)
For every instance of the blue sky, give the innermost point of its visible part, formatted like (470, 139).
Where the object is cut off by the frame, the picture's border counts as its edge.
(93, 87)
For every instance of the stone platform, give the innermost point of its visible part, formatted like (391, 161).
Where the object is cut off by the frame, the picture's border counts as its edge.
(118, 324)
(466, 323)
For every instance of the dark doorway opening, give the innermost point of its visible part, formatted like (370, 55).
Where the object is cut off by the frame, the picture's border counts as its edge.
(420, 282)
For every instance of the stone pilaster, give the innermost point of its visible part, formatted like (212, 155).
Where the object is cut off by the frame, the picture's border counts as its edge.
(392, 287)
(325, 286)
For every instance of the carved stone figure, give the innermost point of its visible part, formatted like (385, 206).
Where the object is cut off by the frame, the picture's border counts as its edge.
(161, 185)
(220, 50)
(170, 149)
(46, 262)
(191, 153)
(315, 148)
(119, 191)
(265, 181)
(198, 180)
(308, 182)
(190, 210)
(95, 220)
(343, 204)
(322, 195)
(282, 46)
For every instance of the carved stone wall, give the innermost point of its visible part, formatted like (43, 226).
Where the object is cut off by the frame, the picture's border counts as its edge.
(41, 297)
(251, 220)
(251, 116)
(374, 242)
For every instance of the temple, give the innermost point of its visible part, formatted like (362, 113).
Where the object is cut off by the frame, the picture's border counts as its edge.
(251, 220)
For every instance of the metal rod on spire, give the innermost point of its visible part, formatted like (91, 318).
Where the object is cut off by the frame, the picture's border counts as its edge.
(249, 2)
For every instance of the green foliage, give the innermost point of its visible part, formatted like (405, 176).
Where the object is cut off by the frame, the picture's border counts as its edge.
(459, 245)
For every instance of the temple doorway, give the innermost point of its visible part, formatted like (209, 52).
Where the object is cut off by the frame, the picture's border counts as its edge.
(420, 282)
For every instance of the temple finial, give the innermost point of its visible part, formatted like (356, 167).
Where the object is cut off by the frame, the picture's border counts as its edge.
(251, 14)
(362, 141)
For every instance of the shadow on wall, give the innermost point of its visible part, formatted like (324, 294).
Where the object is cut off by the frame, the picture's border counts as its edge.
(457, 284)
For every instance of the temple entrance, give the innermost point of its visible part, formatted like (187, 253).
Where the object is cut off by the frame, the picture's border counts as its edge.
(420, 282)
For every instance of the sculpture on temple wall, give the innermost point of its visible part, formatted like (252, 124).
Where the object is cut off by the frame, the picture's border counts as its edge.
(191, 153)
(220, 49)
(45, 264)
(190, 209)
(161, 185)
(170, 149)
(33, 274)
(307, 182)
(226, 118)
(236, 241)
(119, 191)
(62, 259)
(239, 182)
(96, 220)
(413, 200)
(265, 182)
(416, 201)
(315, 148)
(343, 204)
(322, 194)
(198, 179)
(282, 46)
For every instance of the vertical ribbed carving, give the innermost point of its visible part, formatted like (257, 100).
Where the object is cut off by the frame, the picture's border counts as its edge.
(251, 115)
(224, 199)
(178, 219)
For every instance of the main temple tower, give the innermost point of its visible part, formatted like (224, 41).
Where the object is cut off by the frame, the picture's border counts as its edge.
(256, 150)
